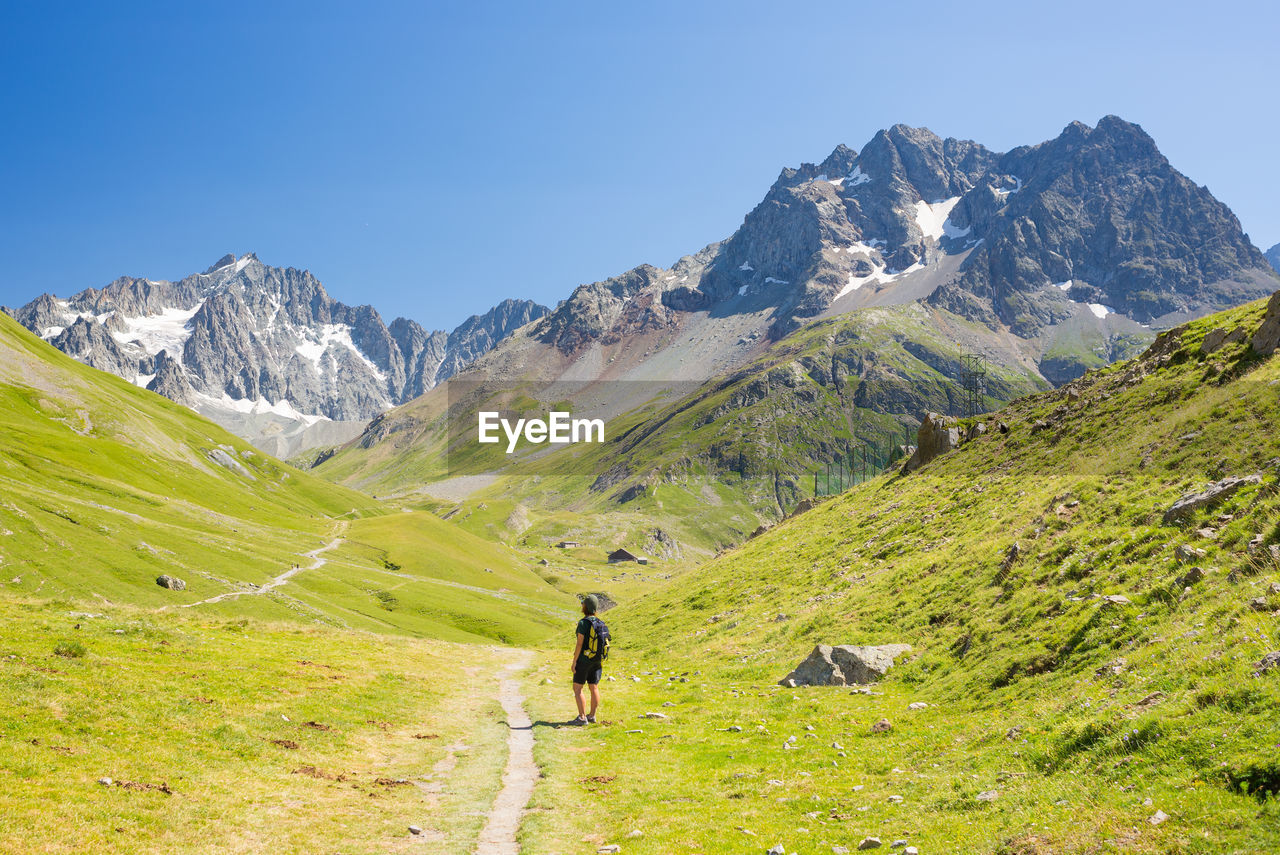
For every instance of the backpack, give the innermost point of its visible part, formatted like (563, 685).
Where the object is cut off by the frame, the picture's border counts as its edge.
(596, 645)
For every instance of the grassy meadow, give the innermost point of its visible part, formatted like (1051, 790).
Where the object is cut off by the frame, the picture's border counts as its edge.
(1077, 686)
(237, 735)
(309, 689)
(1056, 720)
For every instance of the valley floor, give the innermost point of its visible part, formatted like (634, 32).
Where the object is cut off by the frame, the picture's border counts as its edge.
(1089, 672)
(134, 731)
(688, 761)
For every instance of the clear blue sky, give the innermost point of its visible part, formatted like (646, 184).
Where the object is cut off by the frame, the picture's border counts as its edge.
(434, 158)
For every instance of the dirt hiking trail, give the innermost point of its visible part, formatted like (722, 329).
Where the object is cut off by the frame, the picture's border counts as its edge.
(316, 563)
(499, 834)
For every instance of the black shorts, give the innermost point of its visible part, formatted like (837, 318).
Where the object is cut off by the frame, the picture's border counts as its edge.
(586, 671)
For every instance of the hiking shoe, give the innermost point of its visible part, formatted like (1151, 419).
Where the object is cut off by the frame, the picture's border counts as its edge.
(591, 719)
(579, 720)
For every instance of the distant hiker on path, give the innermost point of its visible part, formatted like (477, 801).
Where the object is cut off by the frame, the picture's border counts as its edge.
(588, 659)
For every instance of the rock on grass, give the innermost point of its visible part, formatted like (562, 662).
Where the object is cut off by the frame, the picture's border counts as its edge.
(1210, 496)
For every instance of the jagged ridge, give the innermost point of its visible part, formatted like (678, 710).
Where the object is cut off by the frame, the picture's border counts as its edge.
(244, 339)
(1097, 212)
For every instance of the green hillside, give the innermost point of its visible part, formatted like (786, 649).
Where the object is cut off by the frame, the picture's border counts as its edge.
(706, 468)
(140, 731)
(832, 390)
(105, 486)
(282, 698)
(1057, 720)
(1084, 688)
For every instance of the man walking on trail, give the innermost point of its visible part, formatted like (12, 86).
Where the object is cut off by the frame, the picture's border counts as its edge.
(588, 659)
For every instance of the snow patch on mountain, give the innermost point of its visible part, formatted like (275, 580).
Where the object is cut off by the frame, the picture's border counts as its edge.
(951, 230)
(168, 330)
(880, 275)
(68, 316)
(932, 218)
(230, 333)
(1002, 192)
(259, 407)
(316, 344)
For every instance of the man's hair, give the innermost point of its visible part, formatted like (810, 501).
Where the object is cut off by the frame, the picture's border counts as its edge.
(589, 604)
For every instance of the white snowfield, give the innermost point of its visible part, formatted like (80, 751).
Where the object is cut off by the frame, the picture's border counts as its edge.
(858, 177)
(69, 317)
(234, 266)
(932, 218)
(1002, 192)
(880, 276)
(166, 331)
(316, 344)
(260, 407)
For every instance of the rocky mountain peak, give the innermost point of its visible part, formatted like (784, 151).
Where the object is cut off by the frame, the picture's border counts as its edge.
(231, 260)
(839, 162)
(1101, 215)
(1119, 133)
(226, 260)
(1091, 234)
(480, 334)
(264, 350)
(1273, 256)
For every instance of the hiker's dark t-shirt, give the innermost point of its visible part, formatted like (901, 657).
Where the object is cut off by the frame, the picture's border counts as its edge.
(586, 670)
(584, 630)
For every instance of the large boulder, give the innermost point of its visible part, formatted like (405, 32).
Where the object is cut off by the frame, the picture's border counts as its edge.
(1208, 497)
(844, 665)
(938, 434)
(1267, 338)
(1217, 337)
(172, 583)
(804, 506)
